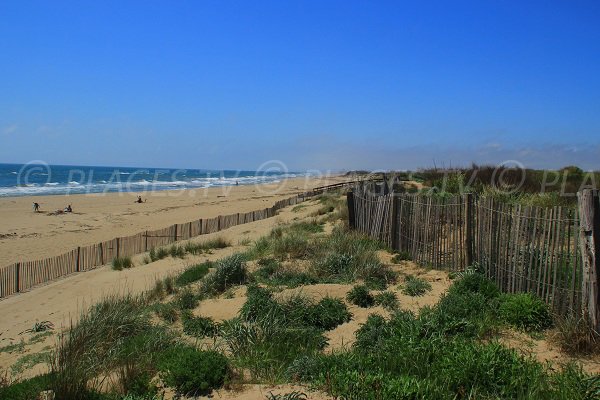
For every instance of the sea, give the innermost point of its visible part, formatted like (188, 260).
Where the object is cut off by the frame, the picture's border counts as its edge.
(43, 179)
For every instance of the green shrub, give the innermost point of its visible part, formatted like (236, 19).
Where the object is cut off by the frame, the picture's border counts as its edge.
(329, 313)
(271, 272)
(186, 299)
(401, 256)
(198, 326)
(192, 372)
(303, 369)
(476, 283)
(465, 314)
(229, 272)
(371, 333)
(525, 311)
(193, 274)
(387, 300)
(259, 302)
(119, 263)
(359, 295)
(414, 286)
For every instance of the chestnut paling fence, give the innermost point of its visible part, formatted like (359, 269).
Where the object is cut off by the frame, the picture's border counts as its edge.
(552, 252)
(22, 276)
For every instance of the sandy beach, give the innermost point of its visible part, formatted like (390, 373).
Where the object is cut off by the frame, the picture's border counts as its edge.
(25, 235)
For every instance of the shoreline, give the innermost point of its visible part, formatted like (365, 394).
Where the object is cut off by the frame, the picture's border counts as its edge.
(26, 236)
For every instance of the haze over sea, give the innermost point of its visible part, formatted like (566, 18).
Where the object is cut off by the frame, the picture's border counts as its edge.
(43, 179)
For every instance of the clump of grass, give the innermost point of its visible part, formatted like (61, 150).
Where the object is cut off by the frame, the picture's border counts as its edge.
(119, 263)
(387, 300)
(271, 272)
(199, 248)
(348, 257)
(198, 327)
(298, 207)
(269, 334)
(401, 256)
(176, 251)
(167, 312)
(260, 249)
(575, 335)
(330, 312)
(245, 241)
(361, 296)
(525, 311)
(192, 372)
(291, 244)
(414, 286)
(30, 360)
(193, 273)
(25, 389)
(230, 271)
(267, 346)
(169, 282)
(295, 395)
(114, 337)
(186, 299)
(158, 254)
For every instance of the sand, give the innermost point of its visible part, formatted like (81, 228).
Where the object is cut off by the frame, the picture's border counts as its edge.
(25, 235)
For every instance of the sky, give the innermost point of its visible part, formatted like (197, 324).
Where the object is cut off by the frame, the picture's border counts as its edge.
(314, 84)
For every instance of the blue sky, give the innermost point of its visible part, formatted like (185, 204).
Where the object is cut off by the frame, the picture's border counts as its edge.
(315, 84)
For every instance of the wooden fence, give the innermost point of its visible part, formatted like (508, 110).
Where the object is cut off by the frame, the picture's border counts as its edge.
(547, 251)
(22, 276)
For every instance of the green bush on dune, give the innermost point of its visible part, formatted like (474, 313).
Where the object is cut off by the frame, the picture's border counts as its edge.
(193, 372)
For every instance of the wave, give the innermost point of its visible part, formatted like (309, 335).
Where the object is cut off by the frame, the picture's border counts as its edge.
(102, 186)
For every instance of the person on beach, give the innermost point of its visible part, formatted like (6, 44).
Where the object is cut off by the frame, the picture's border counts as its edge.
(68, 209)
(36, 207)
(139, 200)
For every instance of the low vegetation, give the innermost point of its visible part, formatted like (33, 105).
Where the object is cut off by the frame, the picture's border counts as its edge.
(120, 263)
(360, 296)
(414, 286)
(180, 251)
(130, 347)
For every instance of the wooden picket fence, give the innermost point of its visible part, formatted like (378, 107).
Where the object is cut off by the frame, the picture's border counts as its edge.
(521, 248)
(23, 276)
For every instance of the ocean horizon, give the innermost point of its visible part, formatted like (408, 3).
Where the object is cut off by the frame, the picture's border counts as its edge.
(44, 179)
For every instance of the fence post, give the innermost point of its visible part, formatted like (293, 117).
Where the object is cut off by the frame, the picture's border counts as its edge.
(175, 233)
(469, 240)
(118, 245)
(17, 277)
(77, 260)
(350, 202)
(146, 241)
(394, 241)
(589, 233)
